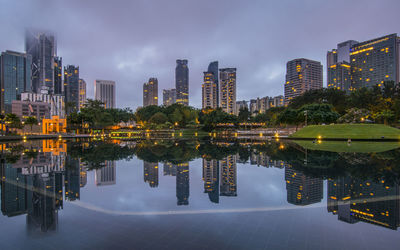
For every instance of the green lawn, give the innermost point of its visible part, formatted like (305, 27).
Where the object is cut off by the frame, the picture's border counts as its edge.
(353, 147)
(346, 131)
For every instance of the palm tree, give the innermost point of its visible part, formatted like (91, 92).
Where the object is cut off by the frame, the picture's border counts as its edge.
(31, 120)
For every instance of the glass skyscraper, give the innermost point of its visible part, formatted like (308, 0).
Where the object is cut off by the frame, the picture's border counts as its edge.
(71, 88)
(182, 82)
(15, 77)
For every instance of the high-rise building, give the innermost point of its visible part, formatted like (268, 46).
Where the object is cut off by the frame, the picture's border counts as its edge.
(182, 82)
(338, 66)
(13, 191)
(150, 92)
(228, 180)
(182, 184)
(104, 91)
(106, 175)
(71, 88)
(302, 75)
(82, 93)
(241, 105)
(227, 92)
(169, 97)
(15, 77)
(150, 173)
(301, 189)
(43, 48)
(72, 179)
(209, 92)
(375, 61)
(58, 86)
(169, 169)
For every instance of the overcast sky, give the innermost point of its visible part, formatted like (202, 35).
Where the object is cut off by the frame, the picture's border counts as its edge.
(133, 40)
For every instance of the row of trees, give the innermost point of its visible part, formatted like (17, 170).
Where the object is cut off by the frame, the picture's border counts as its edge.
(13, 122)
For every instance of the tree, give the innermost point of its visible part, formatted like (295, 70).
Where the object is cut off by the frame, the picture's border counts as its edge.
(158, 118)
(244, 114)
(13, 121)
(31, 120)
(289, 116)
(318, 113)
(355, 115)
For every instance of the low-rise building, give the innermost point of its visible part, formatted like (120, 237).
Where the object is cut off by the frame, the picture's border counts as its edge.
(40, 110)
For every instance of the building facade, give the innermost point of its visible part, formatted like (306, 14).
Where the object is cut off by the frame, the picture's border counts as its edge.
(150, 92)
(104, 91)
(57, 102)
(302, 75)
(209, 92)
(15, 77)
(82, 93)
(169, 97)
(23, 109)
(182, 82)
(71, 87)
(241, 105)
(58, 85)
(375, 61)
(227, 92)
(43, 48)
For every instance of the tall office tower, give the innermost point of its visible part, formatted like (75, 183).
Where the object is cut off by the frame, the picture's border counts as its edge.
(71, 88)
(339, 198)
(104, 91)
(106, 175)
(15, 77)
(228, 180)
(150, 173)
(338, 66)
(58, 86)
(169, 97)
(301, 189)
(182, 82)
(241, 105)
(43, 48)
(227, 92)
(302, 75)
(82, 93)
(213, 68)
(375, 61)
(182, 184)
(209, 92)
(150, 92)
(211, 179)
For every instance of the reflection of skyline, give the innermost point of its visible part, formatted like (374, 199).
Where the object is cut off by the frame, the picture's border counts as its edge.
(106, 175)
(301, 189)
(150, 173)
(182, 183)
(211, 179)
(228, 185)
(354, 200)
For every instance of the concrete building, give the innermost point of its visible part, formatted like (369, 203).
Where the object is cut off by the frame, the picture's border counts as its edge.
(40, 110)
(82, 93)
(375, 61)
(241, 105)
(150, 92)
(57, 102)
(43, 48)
(15, 77)
(227, 92)
(338, 66)
(182, 82)
(71, 88)
(228, 178)
(209, 92)
(302, 75)
(104, 91)
(58, 84)
(169, 97)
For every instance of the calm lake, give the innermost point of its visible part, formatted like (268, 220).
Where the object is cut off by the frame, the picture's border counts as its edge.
(194, 194)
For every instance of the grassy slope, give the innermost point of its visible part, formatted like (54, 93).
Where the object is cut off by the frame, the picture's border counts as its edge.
(345, 131)
(354, 147)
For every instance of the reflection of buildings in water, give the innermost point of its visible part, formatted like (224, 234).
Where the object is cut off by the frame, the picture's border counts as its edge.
(211, 179)
(106, 175)
(228, 185)
(82, 175)
(301, 189)
(13, 191)
(262, 159)
(72, 179)
(182, 183)
(358, 200)
(169, 169)
(150, 173)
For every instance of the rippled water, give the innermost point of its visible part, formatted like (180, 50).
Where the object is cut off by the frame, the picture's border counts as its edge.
(199, 195)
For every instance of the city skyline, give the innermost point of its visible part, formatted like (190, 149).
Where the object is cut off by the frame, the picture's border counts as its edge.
(260, 66)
